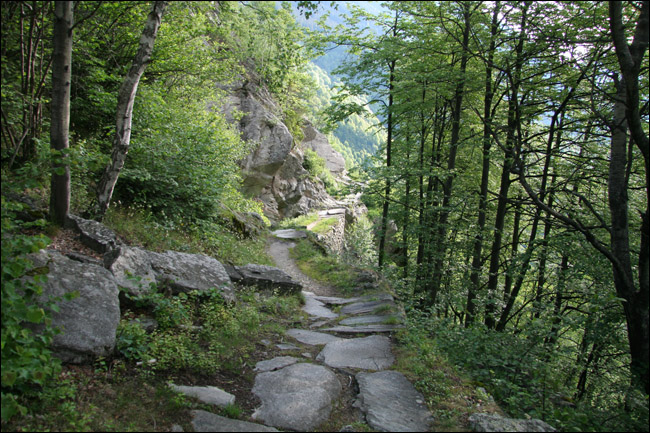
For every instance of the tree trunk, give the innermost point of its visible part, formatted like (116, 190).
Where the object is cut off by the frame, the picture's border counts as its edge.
(126, 97)
(627, 113)
(477, 259)
(60, 117)
(451, 162)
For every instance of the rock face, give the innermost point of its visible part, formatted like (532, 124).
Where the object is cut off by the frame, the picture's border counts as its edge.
(273, 171)
(89, 321)
(298, 397)
(369, 353)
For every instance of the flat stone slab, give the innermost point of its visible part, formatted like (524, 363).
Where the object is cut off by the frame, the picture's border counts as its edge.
(275, 363)
(391, 403)
(367, 320)
(311, 337)
(333, 300)
(298, 397)
(363, 329)
(289, 234)
(207, 394)
(316, 308)
(485, 422)
(368, 353)
(366, 307)
(287, 346)
(203, 421)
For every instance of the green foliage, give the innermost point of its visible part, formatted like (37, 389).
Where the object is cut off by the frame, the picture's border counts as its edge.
(131, 340)
(315, 165)
(27, 363)
(199, 332)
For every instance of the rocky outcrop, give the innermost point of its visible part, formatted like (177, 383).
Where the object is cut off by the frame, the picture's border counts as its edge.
(318, 142)
(273, 171)
(89, 321)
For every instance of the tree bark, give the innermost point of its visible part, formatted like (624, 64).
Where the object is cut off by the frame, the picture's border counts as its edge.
(126, 98)
(60, 117)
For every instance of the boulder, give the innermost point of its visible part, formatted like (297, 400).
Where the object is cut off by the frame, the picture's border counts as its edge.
(135, 269)
(267, 278)
(89, 321)
(485, 422)
(95, 235)
(298, 397)
(132, 269)
(185, 272)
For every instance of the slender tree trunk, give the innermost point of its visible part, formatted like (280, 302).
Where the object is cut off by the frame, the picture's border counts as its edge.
(126, 98)
(511, 139)
(60, 117)
(387, 188)
(451, 162)
(477, 259)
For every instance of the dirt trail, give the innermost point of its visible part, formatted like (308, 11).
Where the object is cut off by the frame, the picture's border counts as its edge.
(278, 249)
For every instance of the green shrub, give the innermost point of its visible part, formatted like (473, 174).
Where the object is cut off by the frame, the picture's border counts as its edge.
(27, 362)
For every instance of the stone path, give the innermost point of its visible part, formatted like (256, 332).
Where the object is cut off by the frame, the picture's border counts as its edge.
(301, 394)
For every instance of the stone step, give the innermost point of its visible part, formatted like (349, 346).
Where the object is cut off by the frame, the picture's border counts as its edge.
(368, 353)
(391, 403)
(363, 329)
(203, 421)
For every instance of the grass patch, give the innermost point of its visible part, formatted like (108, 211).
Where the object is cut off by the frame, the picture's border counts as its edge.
(323, 268)
(325, 225)
(450, 397)
(301, 221)
(138, 227)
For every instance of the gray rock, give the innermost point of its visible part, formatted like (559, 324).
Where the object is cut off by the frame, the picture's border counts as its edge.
(391, 403)
(185, 272)
(287, 346)
(318, 142)
(333, 300)
(365, 320)
(206, 394)
(298, 397)
(310, 337)
(149, 324)
(176, 428)
(316, 308)
(363, 329)
(268, 278)
(132, 269)
(275, 363)
(483, 422)
(95, 235)
(89, 321)
(203, 421)
(366, 307)
(369, 353)
(289, 234)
